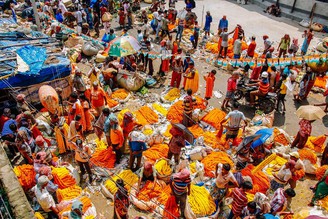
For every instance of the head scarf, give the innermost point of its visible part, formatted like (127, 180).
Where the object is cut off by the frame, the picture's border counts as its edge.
(39, 140)
(45, 170)
(148, 166)
(128, 118)
(42, 180)
(40, 157)
(183, 174)
(20, 97)
(77, 205)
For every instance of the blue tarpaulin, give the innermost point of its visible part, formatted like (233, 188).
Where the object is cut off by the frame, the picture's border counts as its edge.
(34, 57)
(48, 73)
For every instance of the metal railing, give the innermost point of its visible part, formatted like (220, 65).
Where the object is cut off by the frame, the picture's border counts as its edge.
(5, 211)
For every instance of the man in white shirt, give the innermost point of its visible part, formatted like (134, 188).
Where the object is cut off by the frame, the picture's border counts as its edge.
(237, 48)
(44, 198)
(281, 178)
(62, 7)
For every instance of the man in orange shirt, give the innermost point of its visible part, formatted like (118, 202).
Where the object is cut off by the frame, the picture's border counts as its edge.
(98, 98)
(251, 48)
(116, 137)
(82, 155)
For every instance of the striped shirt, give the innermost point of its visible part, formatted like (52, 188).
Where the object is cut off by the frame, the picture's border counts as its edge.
(239, 201)
(180, 186)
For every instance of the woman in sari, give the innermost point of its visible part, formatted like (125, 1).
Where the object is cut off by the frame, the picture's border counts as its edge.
(192, 78)
(121, 201)
(308, 36)
(320, 190)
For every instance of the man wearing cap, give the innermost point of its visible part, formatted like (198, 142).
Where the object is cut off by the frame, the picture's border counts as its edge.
(78, 82)
(264, 87)
(44, 198)
(98, 98)
(299, 169)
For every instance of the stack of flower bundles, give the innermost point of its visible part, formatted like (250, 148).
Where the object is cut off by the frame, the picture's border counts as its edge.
(212, 160)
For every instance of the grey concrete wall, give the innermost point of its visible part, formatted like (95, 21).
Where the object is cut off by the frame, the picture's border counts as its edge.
(17, 199)
(302, 9)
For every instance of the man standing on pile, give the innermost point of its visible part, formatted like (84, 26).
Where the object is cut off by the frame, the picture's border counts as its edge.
(188, 106)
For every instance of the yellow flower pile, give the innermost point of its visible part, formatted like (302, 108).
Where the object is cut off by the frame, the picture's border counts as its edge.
(38, 215)
(324, 203)
(275, 165)
(100, 144)
(163, 168)
(201, 202)
(62, 177)
(159, 108)
(26, 175)
(68, 193)
(173, 94)
(148, 131)
(120, 94)
(212, 47)
(127, 176)
(120, 115)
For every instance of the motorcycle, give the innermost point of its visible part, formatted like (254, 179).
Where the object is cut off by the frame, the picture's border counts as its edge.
(266, 103)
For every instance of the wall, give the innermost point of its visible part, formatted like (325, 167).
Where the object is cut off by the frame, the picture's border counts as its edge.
(17, 199)
(302, 9)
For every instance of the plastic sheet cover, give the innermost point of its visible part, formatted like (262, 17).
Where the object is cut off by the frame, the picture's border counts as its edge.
(34, 57)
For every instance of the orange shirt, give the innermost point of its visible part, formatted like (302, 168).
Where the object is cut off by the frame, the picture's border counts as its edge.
(98, 97)
(116, 136)
(82, 155)
(209, 85)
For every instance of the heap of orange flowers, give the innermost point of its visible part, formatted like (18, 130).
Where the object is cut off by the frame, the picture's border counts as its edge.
(104, 158)
(175, 112)
(307, 154)
(214, 118)
(155, 152)
(212, 160)
(149, 192)
(171, 210)
(280, 137)
(68, 193)
(146, 116)
(316, 143)
(26, 176)
(321, 171)
(261, 181)
(62, 177)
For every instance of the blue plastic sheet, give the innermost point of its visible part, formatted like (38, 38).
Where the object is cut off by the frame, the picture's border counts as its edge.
(48, 73)
(34, 57)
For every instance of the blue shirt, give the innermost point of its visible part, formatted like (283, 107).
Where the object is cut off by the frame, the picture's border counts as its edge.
(6, 130)
(286, 71)
(111, 37)
(107, 125)
(223, 24)
(59, 17)
(186, 64)
(208, 21)
(137, 146)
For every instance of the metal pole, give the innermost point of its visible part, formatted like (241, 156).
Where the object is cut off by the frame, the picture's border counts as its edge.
(36, 15)
(203, 16)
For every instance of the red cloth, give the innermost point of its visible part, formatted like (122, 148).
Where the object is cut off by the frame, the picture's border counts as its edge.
(165, 65)
(3, 119)
(232, 84)
(176, 79)
(251, 49)
(256, 73)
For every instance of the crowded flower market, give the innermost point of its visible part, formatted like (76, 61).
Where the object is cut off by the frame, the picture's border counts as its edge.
(163, 109)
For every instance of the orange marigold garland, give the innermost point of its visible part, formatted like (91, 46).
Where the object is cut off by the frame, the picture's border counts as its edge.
(211, 160)
(155, 152)
(307, 154)
(62, 177)
(260, 180)
(321, 171)
(26, 176)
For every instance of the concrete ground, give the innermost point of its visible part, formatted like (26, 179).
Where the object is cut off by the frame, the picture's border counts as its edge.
(257, 23)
